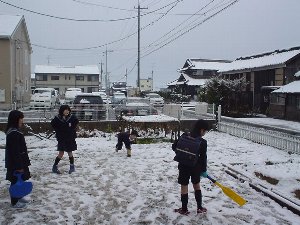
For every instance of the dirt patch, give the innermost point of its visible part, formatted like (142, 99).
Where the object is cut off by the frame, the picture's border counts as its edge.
(266, 178)
(297, 194)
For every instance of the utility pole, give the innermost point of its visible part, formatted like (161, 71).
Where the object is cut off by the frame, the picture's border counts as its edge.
(152, 80)
(139, 40)
(101, 74)
(106, 73)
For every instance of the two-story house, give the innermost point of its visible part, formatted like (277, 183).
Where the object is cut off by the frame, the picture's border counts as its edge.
(264, 73)
(15, 62)
(194, 74)
(63, 77)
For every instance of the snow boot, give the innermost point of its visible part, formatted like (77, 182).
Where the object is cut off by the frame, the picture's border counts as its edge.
(72, 168)
(128, 152)
(182, 211)
(55, 169)
(201, 210)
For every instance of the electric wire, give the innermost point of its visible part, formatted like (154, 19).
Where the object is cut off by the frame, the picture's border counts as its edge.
(82, 20)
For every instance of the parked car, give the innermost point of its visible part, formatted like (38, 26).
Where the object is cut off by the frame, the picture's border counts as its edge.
(135, 107)
(155, 99)
(43, 98)
(118, 98)
(103, 95)
(87, 106)
(70, 94)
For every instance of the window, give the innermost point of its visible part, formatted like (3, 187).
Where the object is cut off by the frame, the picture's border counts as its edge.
(54, 77)
(278, 99)
(80, 77)
(93, 77)
(41, 77)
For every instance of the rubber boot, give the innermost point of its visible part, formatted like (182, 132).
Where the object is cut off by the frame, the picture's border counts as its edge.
(128, 152)
(72, 168)
(55, 169)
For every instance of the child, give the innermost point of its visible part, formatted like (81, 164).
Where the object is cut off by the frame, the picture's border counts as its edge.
(16, 155)
(127, 139)
(64, 125)
(186, 172)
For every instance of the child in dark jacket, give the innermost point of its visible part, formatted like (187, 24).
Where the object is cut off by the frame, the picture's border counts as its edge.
(187, 172)
(64, 125)
(16, 155)
(126, 138)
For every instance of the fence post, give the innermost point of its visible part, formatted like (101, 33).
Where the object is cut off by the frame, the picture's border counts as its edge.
(219, 116)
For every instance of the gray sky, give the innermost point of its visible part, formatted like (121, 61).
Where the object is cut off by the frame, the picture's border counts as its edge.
(172, 31)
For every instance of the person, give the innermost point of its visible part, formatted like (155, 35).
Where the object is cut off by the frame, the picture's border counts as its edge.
(16, 155)
(126, 138)
(65, 125)
(186, 173)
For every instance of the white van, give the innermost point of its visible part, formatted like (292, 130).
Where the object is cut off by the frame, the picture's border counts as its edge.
(71, 94)
(43, 98)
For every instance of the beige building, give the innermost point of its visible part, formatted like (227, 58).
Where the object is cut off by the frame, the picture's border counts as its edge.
(63, 77)
(15, 62)
(146, 85)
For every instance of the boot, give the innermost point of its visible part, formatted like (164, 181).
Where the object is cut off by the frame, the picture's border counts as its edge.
(55, 169)
(72, 168)
(128, 152)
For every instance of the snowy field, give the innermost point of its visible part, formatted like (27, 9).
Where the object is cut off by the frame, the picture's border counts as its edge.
(109, 188)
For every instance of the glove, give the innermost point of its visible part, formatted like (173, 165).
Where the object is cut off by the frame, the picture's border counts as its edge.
(204, 174)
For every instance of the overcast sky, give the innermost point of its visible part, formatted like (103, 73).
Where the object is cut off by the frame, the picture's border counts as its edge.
(171, 32)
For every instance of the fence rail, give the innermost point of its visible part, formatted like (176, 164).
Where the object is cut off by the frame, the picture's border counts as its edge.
(280, 140)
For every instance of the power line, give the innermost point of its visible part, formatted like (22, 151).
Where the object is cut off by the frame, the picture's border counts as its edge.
(82, 20)
(191, 28)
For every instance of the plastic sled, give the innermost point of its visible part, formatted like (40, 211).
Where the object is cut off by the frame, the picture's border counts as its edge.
(21, 188)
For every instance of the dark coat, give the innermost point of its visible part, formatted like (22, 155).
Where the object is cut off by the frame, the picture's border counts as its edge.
(65, 130)
(201, 165)
(123, 137)
(16, 155)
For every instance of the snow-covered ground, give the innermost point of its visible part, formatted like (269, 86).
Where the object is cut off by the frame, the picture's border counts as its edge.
(109, 188)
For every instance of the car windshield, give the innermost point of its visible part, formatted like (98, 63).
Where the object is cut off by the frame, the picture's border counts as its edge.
(88, 100)
(41, 91)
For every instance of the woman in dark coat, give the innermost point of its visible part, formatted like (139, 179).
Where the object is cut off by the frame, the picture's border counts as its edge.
(64, 125)
(16, 155)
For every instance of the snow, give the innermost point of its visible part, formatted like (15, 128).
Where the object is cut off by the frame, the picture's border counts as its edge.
(188, 81)
(293, 87)
(110, 188)
(256, 62)
(284, 124)
(8, 24)
(150, 118)
(205, 64)
(48, 69)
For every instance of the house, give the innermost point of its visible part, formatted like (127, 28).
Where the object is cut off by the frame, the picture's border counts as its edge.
(15, 62)
(285, 101)
(264, 73)
(63, 77)
(194, 74)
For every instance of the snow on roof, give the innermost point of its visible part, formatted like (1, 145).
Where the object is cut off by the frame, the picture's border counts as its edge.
(293, 87)
(188, 81)
(193, 81)
(297, 74)
(205, 64)
(89, 69)
(268, 59)
(8, 24)
(150, 118)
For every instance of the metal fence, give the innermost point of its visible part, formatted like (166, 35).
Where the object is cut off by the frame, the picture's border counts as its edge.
(277, 139)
